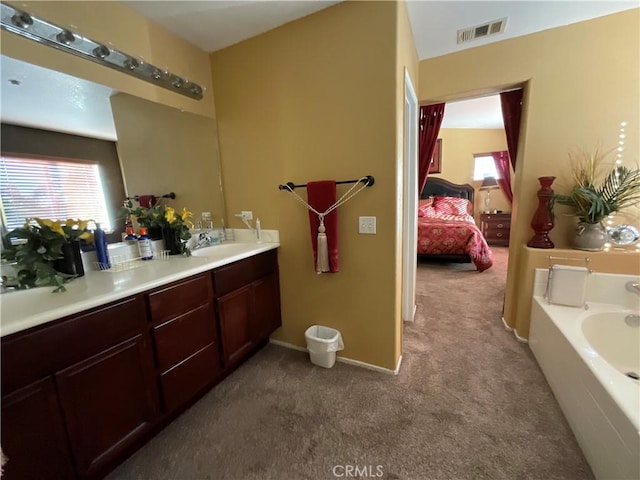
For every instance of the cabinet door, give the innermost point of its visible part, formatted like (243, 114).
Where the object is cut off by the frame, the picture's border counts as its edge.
(33, 435)
(234, 310)
(109, 400)
(266, 306)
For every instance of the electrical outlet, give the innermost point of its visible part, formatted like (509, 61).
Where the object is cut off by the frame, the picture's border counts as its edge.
(246, 214)
(367, 225)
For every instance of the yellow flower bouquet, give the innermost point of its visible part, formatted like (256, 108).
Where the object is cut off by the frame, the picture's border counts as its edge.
(39, 247)
(174, 225)
(175, 229)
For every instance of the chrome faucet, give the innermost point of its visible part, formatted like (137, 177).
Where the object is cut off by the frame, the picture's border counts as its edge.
(633, 287)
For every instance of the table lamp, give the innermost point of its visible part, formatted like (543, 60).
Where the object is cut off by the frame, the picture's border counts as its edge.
(488, 184)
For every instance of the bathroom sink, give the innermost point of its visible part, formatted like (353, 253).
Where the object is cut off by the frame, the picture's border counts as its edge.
(224, 250)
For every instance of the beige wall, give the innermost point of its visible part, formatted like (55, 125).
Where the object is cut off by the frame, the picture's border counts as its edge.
(317, 99)
(119, 26)
(164, 150)
(580, 82)
(458, 147)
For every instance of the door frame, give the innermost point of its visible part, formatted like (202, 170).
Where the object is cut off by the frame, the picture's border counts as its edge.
(410, 201)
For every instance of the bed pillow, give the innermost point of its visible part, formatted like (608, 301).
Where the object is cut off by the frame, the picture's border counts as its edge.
(424, 206)
(452, 205)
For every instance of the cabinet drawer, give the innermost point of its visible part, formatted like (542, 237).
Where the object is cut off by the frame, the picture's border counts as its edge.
(183, 336)
(182, 382)
(499, 225)
(497, 233)
(27, 356)
(496, 218)
(240, 273)
(171, 301)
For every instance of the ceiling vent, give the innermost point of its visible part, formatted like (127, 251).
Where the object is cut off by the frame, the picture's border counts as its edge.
(481, 31)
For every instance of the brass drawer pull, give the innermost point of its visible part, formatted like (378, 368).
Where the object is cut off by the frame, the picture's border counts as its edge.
(499, 225)
(499, 234)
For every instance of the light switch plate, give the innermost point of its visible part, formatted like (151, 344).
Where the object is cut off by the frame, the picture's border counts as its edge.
(367, 225)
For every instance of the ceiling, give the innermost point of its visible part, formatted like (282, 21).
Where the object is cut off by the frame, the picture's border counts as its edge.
(483, 112)
(76, 106)
(215, 24)
(51, 100)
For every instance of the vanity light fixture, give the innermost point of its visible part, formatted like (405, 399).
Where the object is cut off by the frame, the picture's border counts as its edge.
(46, 33)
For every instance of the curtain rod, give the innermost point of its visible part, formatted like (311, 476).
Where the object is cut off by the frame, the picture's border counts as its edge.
(368, 180)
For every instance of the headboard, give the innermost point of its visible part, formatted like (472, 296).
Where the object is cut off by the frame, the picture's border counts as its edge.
(439, 187)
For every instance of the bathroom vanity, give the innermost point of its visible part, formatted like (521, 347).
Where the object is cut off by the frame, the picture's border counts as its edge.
(89, 375)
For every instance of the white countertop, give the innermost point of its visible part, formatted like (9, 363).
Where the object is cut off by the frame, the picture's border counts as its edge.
(28, 308)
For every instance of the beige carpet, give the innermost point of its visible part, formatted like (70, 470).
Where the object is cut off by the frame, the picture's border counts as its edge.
(469, 403)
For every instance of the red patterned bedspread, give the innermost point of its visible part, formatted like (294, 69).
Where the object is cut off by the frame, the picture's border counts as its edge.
(454, 234)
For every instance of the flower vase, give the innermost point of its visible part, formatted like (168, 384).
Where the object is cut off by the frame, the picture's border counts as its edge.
(542, 221)
(71, 261)
(590, 237)
(155, 233)
(172, 241)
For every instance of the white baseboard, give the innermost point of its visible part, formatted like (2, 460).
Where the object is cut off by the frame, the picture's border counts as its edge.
(348, 361)
(515, 332)
(287, 345)
(519, 338)
(507, 327)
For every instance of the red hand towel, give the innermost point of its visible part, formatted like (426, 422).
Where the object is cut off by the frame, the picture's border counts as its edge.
(321, 195)
(147, 201)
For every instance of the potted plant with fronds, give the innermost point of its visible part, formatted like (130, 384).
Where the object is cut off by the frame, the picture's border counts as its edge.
(600, 189)
(46, 252)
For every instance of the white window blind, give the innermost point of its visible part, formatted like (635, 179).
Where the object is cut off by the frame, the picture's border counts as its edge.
(50, 188)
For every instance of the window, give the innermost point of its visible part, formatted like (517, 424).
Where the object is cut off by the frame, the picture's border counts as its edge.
(484, 166)
(49, 187)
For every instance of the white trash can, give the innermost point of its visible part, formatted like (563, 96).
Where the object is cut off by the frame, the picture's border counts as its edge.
(323, 343)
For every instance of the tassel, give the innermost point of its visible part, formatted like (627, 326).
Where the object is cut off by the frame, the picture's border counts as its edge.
(323, 249)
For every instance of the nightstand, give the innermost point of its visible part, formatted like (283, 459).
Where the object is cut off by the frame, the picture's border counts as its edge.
(496, 228)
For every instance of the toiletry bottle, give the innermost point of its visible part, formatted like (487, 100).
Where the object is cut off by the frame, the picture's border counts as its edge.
(102, 252)
(144, 244)
(258, 231)
(130, 236)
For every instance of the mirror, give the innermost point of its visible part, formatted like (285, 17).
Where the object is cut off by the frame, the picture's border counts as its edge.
(160, 149)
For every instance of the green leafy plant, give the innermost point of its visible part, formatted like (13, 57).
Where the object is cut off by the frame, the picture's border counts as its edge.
(35, 246)
(163, 217)
(146, 217)
(600, 189)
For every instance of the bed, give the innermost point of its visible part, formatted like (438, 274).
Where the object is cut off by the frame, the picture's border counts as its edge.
(446, 228)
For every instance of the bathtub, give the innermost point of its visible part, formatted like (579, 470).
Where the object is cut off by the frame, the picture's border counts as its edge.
(588, 356)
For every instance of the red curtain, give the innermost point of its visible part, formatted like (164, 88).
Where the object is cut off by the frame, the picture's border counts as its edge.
(430, 121)
(511, 103)
(501, 159)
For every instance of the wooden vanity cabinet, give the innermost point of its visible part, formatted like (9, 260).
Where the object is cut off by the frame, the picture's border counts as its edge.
(95, 382)
(248, 304)
(80, 394)
(185, 338)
